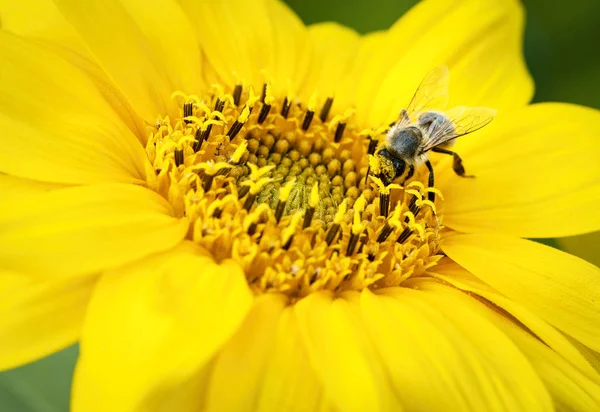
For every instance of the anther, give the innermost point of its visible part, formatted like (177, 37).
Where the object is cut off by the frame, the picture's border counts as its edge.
(217, 213)
(308, 215)
(285, 107)
(404, 235)
(234, 129)
(252, 228)
(249, 201)
(264, 112)
(242, 191)
(332, 233)
(199, 138)
(352, 242)
(325, 109)
(307, 119)
(313, 201)
(207, 182)
(188, 110)
(263, 94)
(339, 132)
(178, 157)
(384, 204)
(237, 94)
(219, 105)
(385, 233)
(284, 195)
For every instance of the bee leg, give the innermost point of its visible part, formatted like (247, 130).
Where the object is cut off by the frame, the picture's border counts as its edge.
(456, 161)
(411, 172)
(430, 195)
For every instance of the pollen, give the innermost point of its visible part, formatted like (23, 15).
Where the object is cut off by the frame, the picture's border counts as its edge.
(288, 195)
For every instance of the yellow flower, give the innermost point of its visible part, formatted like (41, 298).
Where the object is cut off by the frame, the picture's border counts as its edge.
(184, 192)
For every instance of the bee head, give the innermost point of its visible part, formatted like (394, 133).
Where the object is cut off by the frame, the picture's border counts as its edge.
(390, 166)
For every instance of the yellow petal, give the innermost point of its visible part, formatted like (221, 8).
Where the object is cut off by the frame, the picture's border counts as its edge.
(291, 49)
(85, 229)
(431, 365)
(57, 126)
(479, 41)
(339, 349)
(244, 358)
(152, 326)
(458, 277)
(583, 246)
(39, 317)
(149, 51)
(569, 387)
(251, 42)
(290, 382)
(16, 186)
(515, 381)
(334, 53)
(39, 19)
(557, 287)
(536, 174)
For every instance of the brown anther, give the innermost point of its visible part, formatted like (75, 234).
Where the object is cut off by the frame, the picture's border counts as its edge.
(237, 94)
(325, 109)
(384, 204)
(285, 108)
(264, 112)
(307, 119)
(339, 132)
(332, 233)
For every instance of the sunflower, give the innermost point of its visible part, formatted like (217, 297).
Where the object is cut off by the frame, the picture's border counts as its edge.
(185, 192)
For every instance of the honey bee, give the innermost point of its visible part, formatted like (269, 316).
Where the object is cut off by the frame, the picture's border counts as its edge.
(424, 127)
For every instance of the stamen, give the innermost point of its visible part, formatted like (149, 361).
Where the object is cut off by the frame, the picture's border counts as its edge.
(307, 119)
(312, 204)
(335, 227)
(325, 109)
(200, 138)
(284, 194)
(237, 94)
(264, 112)
(188, 110)
(339, 131)
(370, 152)
(285, 108)
(178, 157)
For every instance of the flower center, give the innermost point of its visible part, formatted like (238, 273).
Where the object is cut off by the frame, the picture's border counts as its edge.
(281, 188)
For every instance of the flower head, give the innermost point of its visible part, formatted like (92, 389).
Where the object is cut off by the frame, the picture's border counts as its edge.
(200, 193)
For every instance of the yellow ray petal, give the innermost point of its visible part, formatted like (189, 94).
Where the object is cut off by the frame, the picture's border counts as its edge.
(16, 186)
(236, 38)
(458, 277)
(291, 49)
(514, 379)
(584, 246)
(290, 382)
(345, 360)
(85, 229)
(568, 386)
(39, 317)
(244, 358)
(557, 287)
(479, 41)
(431, 365)
(251, 42)
(153, 325)
(536, 174)
(149, 51)
(57, 126)
(334, 53)
(40, 19)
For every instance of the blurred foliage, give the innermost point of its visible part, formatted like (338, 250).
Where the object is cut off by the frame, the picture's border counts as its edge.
(561, 51)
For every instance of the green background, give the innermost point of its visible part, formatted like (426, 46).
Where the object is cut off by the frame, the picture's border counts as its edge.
(562, 53)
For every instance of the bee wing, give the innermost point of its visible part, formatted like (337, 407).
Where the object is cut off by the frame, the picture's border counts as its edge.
(463, 120)
(432, 93)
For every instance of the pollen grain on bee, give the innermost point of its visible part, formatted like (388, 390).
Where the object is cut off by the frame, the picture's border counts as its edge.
(283, 192)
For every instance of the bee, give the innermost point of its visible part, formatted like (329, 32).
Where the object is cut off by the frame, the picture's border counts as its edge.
(423, 127)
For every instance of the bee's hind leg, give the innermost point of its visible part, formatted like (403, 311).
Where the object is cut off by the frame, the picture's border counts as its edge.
(430, 182)
(457, 165)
